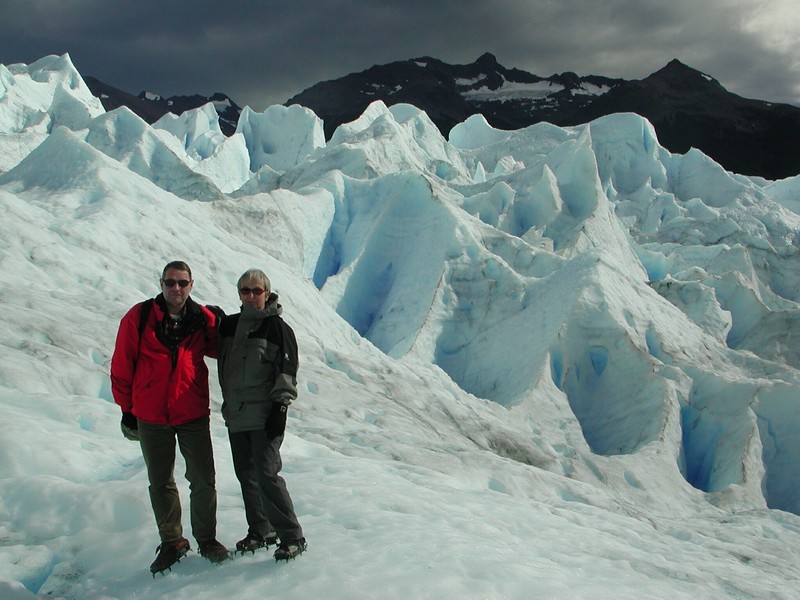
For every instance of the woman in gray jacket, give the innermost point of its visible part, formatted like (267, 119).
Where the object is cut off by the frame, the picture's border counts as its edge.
(258, 374)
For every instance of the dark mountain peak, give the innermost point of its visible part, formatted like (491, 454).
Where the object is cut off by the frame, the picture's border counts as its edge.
(568, 79)
(676, 65)
(677, 74)
(487, 61)
(220, 97)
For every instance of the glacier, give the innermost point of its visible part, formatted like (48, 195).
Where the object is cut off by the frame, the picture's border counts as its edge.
(551, 362)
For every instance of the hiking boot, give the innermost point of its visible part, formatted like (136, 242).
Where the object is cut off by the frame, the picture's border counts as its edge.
(213, 551)
(290, 549)
(168, 554)
(253, 542)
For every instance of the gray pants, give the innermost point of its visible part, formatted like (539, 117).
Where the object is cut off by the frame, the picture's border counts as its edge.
(267, 504)
(158, 448)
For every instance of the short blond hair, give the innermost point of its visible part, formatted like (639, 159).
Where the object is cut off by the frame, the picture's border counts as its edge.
(256, 275)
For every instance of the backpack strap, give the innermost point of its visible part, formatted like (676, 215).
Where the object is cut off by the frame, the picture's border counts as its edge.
(144, 315)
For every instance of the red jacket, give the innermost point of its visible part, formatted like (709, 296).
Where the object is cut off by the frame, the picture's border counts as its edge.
(159, 384)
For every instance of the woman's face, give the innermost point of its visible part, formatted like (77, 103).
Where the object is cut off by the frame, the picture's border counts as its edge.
(253, 294)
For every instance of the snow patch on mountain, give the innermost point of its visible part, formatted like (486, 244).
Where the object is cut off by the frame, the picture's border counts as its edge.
(514, 90)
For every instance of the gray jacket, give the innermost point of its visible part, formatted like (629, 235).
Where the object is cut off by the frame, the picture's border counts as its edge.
(257, 365)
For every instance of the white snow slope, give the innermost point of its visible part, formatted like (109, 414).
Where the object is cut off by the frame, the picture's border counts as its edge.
(544, 363)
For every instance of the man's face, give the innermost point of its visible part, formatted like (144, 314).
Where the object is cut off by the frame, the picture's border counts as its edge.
(177, 293)
(253, 294)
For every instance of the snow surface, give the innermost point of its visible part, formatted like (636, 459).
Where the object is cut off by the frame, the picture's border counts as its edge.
(515, 90)
(547, 363)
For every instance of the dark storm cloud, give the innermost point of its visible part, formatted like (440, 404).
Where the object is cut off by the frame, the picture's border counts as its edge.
(263, 52)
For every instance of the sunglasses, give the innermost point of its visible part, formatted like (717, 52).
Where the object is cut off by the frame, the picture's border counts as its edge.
(245, 291)
(171, 282)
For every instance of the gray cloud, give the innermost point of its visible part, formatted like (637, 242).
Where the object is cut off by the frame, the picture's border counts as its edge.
(262, 52)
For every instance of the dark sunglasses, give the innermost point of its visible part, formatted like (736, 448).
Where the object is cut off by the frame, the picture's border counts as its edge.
(248, 291)
(171, 282)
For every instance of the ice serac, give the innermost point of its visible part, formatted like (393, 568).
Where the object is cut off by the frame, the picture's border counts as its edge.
(43, 95)
(280, 137)
(398, 138)
(193, 125)
(35, 99)
(63, 161)
(786, 192)
(224, 160)
(475, 132)
(156, 155)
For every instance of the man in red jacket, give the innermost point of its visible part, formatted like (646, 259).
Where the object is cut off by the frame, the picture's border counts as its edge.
(160, 380)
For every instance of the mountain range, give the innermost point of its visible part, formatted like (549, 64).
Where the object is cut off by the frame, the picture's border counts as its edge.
(688, 108)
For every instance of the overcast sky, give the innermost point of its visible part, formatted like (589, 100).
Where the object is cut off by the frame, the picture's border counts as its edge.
(263, 52)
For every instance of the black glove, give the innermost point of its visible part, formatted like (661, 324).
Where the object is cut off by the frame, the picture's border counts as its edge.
(130, 426)
(276, 422)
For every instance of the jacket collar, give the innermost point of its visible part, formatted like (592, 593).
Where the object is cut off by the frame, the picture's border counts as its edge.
(273, 308)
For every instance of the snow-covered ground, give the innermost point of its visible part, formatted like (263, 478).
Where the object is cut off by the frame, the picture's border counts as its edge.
(547, 363)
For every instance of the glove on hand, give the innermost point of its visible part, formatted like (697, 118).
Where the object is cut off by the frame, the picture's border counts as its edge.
(130, 427)
(276, 422)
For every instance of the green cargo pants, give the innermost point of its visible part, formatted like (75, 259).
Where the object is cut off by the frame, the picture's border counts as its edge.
(158, 448)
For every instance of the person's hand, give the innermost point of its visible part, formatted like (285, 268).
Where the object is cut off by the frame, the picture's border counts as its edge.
(219, 314)
(130, 427)
(276, 422)
(216, 310)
